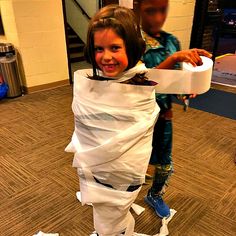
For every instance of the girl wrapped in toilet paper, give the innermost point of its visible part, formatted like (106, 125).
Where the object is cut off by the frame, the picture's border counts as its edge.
(115, 112)
(112, 145)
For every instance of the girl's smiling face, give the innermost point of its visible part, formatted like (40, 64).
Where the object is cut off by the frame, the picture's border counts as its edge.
(110, 52)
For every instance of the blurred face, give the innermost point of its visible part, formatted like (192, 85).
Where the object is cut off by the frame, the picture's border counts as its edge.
(110, 52)
(153, 14)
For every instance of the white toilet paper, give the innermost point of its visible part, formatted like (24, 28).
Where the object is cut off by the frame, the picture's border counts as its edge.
(190, 80)
(201, 75)
(40, 233)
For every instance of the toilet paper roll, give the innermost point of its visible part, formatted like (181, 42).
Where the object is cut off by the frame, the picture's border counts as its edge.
(190, 80)
(200, 75)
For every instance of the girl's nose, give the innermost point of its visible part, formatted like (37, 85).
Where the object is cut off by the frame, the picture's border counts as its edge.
(107, 55)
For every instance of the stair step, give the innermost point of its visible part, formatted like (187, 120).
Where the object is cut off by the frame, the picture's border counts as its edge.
(70, 30)
(74, 39)
(72, 36)
(74, 57)
(78, 54)
(76, 45)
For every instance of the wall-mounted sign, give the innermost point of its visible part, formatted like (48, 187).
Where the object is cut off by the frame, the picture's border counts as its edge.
(126, 3)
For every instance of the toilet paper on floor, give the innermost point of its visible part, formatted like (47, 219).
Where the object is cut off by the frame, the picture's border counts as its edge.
(40, 233)
(189, 80)
(164, 228)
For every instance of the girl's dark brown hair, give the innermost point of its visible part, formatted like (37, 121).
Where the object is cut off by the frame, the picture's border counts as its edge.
(122, 20)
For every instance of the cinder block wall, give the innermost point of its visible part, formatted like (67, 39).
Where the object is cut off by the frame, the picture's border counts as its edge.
(180, 20)
(36, 28)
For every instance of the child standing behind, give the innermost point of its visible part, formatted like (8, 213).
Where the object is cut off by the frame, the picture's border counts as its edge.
(163, 52)
(115, 111)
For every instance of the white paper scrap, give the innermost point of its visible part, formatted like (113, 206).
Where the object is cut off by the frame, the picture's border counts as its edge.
(137, 208)
(78, 196)
(40, 233)
(164, 229)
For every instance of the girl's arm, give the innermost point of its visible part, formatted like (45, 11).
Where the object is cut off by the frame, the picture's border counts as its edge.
(192, 56)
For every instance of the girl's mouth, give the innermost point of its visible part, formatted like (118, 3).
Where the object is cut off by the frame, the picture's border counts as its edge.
(109, 67)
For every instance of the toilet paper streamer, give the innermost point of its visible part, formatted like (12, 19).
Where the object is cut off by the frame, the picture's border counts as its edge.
(189, 80)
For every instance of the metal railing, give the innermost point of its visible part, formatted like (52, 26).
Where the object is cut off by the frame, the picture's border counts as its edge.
(82, 10)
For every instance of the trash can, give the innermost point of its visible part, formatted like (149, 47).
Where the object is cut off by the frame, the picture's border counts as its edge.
(9, 70)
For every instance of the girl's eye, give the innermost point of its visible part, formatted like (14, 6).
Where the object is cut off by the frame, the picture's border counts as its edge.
(98, 49)
(115, 48)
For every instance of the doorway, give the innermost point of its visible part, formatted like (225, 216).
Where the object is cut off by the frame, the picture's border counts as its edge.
(227, 38)
(76, 19)
(214, 29)
(103, 3)
(211, 27)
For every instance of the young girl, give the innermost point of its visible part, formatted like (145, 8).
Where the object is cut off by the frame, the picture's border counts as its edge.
(115, 111)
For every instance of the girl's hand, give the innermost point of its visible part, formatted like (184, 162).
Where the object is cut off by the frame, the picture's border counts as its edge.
(191, 56)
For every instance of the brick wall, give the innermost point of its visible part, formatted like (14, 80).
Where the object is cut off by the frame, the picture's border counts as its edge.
(180, 20)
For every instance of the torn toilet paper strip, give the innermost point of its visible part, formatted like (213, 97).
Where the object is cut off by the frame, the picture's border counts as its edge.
(189, 80)
(40, 233)
(136, 208)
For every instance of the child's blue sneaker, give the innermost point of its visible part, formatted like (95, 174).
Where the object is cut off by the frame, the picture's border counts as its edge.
(160, 207)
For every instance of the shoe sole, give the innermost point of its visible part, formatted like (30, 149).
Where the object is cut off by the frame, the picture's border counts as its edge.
(151, 205)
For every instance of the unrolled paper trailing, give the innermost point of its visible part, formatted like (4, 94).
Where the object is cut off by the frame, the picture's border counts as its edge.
(190, 80)
(187, 81)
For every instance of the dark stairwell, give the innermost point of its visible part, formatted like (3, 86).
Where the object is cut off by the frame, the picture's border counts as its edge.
(75, 46)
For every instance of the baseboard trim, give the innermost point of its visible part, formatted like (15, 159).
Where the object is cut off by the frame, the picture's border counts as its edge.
(223, 88)
(33, 89)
